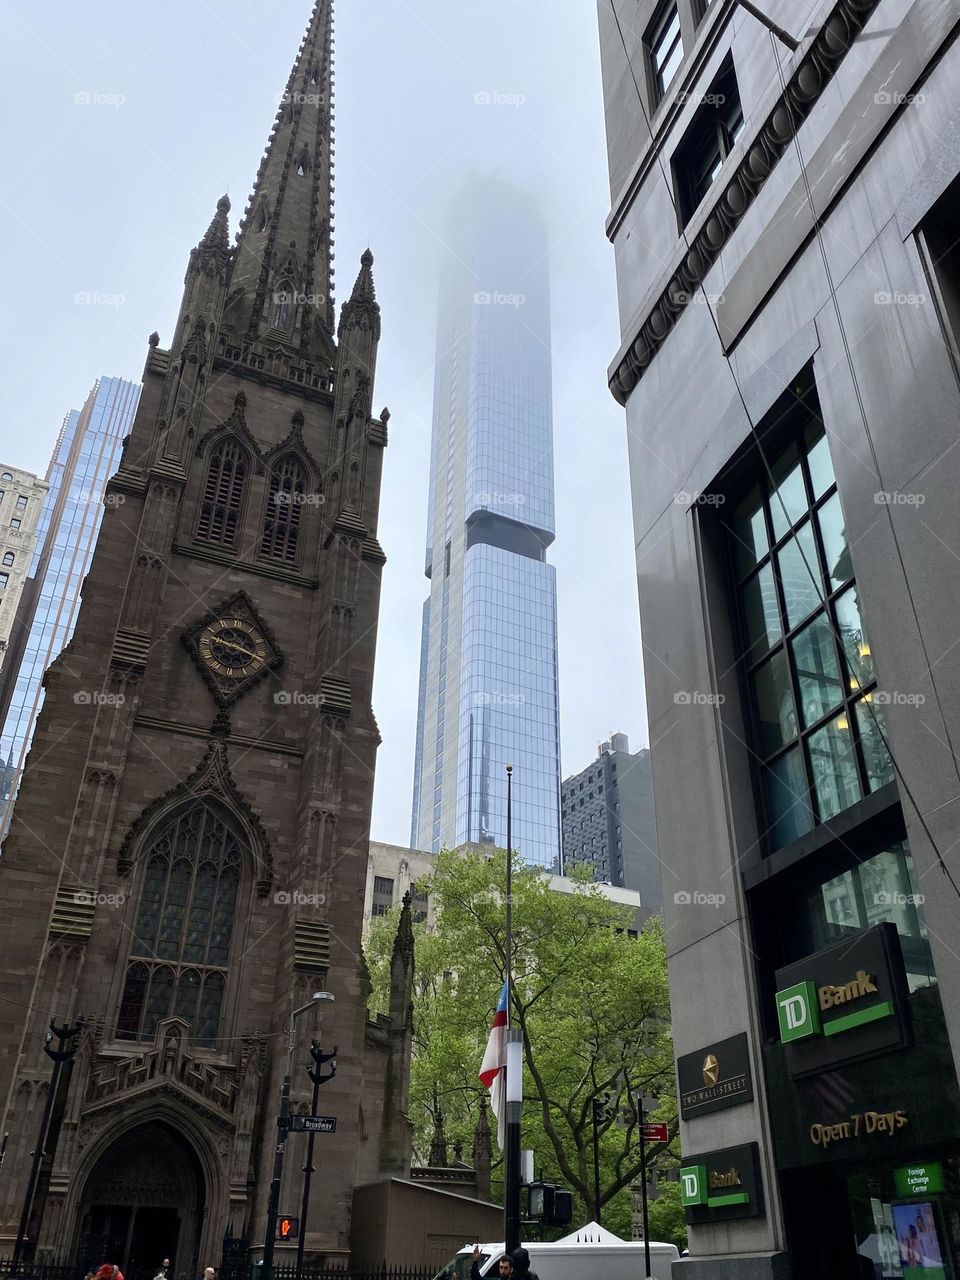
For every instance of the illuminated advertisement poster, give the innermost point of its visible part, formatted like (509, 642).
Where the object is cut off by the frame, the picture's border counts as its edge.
(920, 1254)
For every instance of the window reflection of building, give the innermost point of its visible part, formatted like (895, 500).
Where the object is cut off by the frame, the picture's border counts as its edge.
(808, 662)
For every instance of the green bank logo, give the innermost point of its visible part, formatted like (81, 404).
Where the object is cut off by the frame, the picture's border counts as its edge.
(799, 1008)
(716, 1190)
(798, 1012)
(693, 1185)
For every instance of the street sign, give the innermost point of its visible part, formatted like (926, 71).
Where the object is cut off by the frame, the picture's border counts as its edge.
(653, 1132)
(313, 1124)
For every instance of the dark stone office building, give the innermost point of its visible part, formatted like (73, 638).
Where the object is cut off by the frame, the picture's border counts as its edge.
(609, 820)
(187, 856)
(785, 215)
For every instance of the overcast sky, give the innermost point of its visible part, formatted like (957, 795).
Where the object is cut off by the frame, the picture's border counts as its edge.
(124, 122)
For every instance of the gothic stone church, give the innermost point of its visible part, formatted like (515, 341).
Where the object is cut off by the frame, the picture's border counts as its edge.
(187, 858)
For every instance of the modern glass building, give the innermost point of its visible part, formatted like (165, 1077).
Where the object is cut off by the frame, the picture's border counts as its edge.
(488, 670)
(86, 455)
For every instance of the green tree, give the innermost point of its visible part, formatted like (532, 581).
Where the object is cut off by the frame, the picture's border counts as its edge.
(591, 1003)
(667, 1219)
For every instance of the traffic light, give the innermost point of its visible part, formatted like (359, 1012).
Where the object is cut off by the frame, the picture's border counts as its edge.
(548, 1204)
(288, 1228)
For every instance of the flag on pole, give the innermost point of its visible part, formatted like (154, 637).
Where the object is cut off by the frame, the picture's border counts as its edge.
(493, 1069)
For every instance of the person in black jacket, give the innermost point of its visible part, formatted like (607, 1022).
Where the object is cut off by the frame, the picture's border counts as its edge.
(521, 1266)
(505, 1265)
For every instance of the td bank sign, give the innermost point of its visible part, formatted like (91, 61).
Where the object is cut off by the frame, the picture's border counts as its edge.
(806, 1010)
(845, 1002)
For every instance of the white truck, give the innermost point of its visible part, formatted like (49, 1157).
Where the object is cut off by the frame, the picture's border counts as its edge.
(587, 1252)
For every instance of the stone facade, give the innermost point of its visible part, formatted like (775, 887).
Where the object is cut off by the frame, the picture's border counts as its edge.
(188, 854)
(21, 500)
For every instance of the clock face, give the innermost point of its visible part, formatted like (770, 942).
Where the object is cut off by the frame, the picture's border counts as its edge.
(233, 648)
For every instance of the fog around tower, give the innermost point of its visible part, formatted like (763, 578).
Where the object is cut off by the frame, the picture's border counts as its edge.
(146, 116)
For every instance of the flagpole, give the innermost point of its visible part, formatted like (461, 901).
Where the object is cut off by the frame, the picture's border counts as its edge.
(514, 1089)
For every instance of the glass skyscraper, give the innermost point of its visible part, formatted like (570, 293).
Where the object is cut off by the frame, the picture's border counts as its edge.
(488, 667)
(86, 455)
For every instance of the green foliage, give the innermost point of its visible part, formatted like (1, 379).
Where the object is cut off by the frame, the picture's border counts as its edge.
(667, 1221)
(590, 1001)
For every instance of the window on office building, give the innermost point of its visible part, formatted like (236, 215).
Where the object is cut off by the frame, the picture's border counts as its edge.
(940, 250)
(708, 141)
(382, 895)
(807, 662)
(664, 49)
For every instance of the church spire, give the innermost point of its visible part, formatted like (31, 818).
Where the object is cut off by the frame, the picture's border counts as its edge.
(282, 280)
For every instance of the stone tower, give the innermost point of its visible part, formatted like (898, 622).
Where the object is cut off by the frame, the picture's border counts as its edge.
(187, 857)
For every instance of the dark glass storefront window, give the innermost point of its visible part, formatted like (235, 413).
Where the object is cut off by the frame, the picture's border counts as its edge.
(818, 728)
(882, 887)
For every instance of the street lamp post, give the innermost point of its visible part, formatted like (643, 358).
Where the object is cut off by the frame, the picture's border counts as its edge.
(319, 1058)
(62, 1055)
(283, 1122)
(514, 1083)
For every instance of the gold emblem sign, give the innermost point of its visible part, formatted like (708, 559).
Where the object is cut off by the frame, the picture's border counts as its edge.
(711, 1070)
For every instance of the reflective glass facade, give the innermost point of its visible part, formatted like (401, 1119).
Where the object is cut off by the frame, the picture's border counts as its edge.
(488, 672)
(85, 457)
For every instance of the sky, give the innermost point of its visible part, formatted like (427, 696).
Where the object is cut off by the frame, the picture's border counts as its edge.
(126, 122)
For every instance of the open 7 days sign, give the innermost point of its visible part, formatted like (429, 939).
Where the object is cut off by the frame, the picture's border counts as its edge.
(844, 1002)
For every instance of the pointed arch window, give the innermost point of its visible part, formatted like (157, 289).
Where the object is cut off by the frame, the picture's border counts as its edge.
(181, 942)
(285, 503)
(283, 300)
(222, 500)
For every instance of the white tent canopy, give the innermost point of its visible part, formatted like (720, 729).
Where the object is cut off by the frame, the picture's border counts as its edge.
(592, 1233)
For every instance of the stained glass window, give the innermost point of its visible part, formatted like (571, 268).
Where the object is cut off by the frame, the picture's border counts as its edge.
(183, 928)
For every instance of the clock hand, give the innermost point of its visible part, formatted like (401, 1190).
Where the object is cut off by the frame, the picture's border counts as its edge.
(231, 644)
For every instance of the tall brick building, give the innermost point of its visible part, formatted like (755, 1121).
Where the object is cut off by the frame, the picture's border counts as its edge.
(187, 858)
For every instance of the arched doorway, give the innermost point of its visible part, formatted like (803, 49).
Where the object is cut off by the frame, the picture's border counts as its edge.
(144, 1202)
